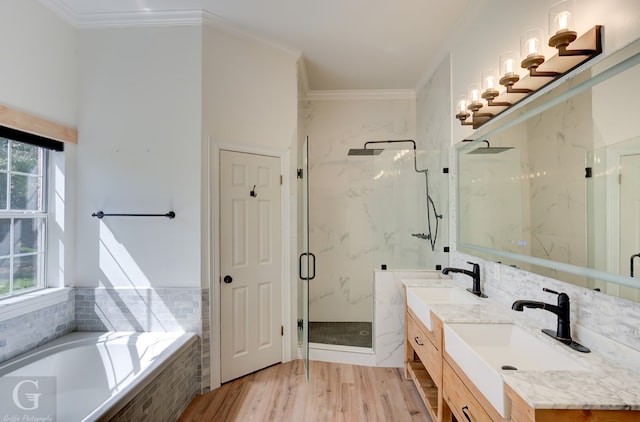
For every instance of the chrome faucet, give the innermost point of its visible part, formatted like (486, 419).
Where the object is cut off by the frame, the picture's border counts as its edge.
(474, 274)
(562, 311)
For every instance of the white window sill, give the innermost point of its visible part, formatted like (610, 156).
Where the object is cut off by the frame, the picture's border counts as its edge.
(15, 306)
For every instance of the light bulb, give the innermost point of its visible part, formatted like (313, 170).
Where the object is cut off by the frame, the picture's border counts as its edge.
(509, 66)
(532, 46)
(561, 17)
(562, 21)
(530, 43)
(462, 105)
(508, 63)
(490, 83)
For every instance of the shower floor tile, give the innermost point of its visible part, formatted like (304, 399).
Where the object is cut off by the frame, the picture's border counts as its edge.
(356, 334)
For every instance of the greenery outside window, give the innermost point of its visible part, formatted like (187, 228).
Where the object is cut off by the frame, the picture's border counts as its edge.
(23, 217)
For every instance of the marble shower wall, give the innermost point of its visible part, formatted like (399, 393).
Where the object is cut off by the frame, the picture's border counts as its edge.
(343, 200)
(433, 120)
(405, 221)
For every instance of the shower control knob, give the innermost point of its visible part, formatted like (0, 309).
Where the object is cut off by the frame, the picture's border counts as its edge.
(227, 279)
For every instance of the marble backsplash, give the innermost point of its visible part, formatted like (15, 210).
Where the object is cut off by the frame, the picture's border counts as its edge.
(604, 323)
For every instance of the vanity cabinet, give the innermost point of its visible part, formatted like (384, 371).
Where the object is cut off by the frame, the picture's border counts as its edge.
(423, 363)
(463, 398)
(461, 401)
(450, 396)
(522, 412)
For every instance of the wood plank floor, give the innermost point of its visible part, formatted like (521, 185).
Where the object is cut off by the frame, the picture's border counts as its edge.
(336, 392)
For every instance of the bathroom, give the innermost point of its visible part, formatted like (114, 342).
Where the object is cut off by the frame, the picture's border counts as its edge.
(152, 145)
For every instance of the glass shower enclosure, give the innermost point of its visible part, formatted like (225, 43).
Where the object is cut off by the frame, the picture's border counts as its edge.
(373, 211)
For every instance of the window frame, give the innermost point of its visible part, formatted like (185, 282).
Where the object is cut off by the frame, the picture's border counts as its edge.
(40, 215)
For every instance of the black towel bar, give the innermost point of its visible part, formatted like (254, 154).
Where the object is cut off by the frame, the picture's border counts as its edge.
(101, 214)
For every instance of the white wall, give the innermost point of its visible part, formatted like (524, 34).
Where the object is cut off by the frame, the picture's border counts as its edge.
(249, 103)
(38, 72)
(38, 76)
(139, 125)
(249, 91)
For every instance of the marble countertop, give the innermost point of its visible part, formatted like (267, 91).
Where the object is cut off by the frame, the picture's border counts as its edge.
(605, 385)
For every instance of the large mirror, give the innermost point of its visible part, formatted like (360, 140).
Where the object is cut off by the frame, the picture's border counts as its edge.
(554, 186)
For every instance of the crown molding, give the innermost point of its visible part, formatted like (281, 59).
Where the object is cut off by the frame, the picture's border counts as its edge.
(217, 22)
(374, 94)
(125, 19)
(158, 18)
(60, 9)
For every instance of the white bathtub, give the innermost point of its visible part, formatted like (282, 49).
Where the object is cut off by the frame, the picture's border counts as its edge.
(98, 373)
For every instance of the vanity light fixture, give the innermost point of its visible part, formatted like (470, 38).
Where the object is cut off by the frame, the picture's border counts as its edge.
(472, 110)
(531, 53)
(462, 113)
(508, 70)
(474, 98)
(475, 103)
(490, 85)
(561, 20)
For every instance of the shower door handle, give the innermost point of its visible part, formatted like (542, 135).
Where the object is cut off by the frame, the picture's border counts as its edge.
(308, 255)
(311, 277)
(631, 263)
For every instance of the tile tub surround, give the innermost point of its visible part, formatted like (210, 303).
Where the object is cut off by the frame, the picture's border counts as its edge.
(149, 309)
(25, 332)
(605, 385)
(169, 394)
(138, 309)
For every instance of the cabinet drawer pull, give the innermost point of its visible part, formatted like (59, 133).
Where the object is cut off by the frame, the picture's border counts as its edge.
(417, 342)
(464, 412)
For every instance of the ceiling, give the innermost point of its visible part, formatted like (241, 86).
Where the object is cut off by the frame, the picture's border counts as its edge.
(346, 44)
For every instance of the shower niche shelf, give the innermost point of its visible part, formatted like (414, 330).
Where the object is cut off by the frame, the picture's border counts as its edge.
(426, 387)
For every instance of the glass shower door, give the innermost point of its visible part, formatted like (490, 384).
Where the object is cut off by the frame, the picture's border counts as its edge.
(306, 262)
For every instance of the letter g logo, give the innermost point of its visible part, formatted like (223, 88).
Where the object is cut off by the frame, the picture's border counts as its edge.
(34, 398)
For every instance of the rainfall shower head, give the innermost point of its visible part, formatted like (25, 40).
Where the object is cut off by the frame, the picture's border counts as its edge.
(489, 149)
(370, 152)
(365, 152)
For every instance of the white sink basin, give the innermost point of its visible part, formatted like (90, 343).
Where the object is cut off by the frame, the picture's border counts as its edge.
(420, 298)
(481, 350)
(427, 275)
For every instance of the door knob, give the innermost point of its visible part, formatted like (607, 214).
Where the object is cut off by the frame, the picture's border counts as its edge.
(227, 279)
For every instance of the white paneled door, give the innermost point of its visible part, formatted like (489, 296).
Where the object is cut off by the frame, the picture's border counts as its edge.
(250, 263)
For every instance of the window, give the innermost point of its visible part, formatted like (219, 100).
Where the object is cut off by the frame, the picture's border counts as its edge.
(23, 217)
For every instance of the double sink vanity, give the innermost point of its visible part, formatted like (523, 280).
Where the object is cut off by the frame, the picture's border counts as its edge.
(473, 359)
